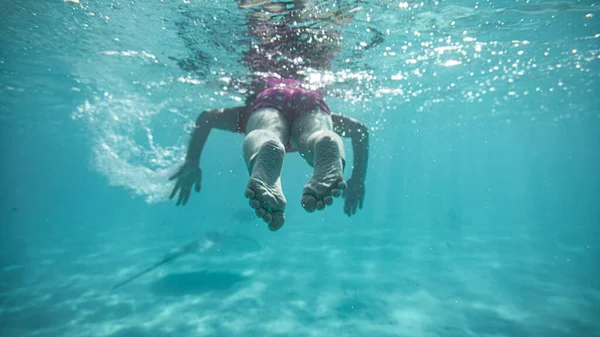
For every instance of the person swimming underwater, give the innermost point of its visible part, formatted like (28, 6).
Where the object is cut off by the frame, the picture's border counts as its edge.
(284, 114)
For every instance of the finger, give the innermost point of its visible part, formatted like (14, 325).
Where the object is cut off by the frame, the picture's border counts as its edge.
(199, 181)
(181, 196)
(175, 189)
(188, 192)
(177, 174)
(361, 202)
(350, 207)
(173, 193)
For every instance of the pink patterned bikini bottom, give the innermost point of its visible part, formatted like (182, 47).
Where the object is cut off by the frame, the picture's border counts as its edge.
(288, 97)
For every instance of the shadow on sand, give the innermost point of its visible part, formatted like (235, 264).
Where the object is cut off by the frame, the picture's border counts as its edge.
(200, 282)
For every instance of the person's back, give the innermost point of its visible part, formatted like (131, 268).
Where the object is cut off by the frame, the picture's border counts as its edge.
(288, 44)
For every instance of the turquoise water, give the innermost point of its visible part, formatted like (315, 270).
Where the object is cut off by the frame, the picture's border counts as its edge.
(481, 214)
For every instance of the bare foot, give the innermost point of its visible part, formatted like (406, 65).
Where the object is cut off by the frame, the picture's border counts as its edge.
(327, 181)
(264, 188)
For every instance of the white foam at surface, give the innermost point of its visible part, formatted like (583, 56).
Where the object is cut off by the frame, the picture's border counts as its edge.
(141, 166)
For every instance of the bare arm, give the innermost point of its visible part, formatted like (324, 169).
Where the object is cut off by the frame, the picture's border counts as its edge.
(190, 174)
(222, 119)
(359, 134)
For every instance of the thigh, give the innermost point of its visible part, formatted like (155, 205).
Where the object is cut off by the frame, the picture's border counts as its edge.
(269, 119)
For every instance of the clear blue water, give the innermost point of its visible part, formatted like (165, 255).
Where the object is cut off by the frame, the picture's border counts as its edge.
(481, 215)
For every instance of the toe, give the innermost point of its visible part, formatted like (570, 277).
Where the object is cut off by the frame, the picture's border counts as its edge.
(249, 194)
(260, 212)
(278, 221)
(341, 185)
(320, 205)
(328, 200)
(309, 202)
(254, 203)
(336, 193)
(268, 217)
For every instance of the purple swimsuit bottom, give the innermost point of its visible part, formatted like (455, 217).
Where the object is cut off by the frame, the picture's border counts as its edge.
(288, 97)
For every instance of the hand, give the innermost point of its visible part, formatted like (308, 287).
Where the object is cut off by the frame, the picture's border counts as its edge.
(354, 195)
(187, 175)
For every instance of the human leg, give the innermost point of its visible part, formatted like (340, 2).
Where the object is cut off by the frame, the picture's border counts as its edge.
(323, 149)
(266, 132)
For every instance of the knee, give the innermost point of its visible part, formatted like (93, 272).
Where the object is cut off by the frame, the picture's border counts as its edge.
(262, 136)
(274, 144)
(326, 136)
(306, 143)
(256, 139)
